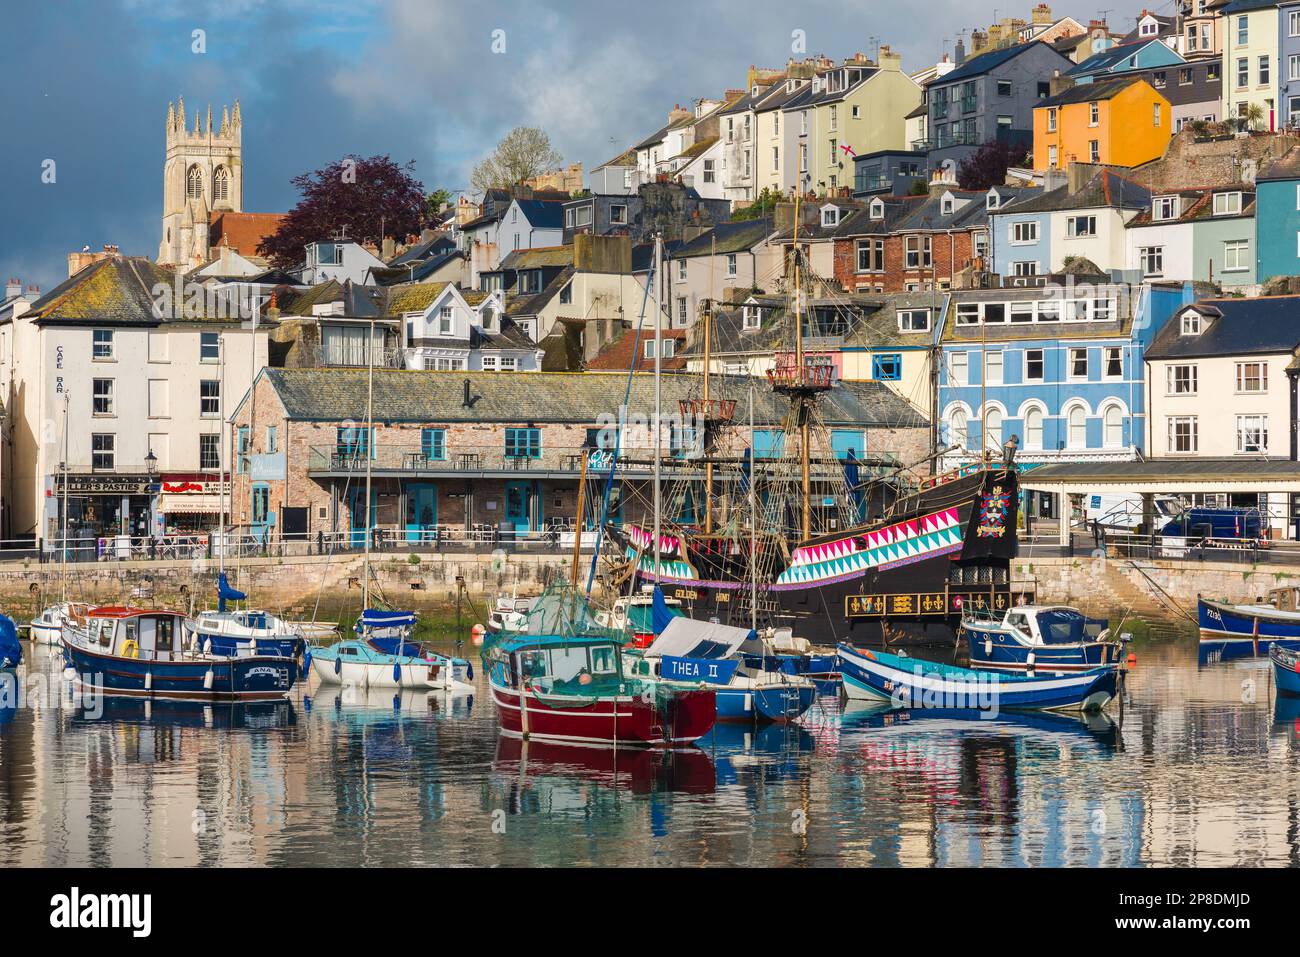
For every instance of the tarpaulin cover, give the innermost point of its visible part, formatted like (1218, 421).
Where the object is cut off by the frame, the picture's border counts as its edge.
(11, 652)
(690, 638)
(374, 618)
(660, 613)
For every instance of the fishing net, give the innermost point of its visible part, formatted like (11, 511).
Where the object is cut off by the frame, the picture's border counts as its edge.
(561, 611)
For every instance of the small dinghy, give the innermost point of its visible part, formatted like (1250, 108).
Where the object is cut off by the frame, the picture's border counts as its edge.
(11, 649)
(914, 683)
(384, 655)
(1286, 670)
(1051, 638)
(47, 627)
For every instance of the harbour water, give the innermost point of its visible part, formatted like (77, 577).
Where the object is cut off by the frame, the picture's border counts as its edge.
(1205, 770)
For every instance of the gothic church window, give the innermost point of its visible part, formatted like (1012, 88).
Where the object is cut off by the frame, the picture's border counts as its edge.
(194, 183)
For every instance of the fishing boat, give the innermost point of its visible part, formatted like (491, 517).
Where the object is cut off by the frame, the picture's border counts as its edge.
(913, 683)
(1235, 631)
(508, 613)
(634, 614)
(47, 627)
(561, 679)
(143, 653)
(384, 655)
(11, 649)
(224, 632)
(1051, 638)
(691, 653)
(1286, 670)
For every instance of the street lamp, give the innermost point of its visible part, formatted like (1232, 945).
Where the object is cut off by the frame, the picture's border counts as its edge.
(151, 463)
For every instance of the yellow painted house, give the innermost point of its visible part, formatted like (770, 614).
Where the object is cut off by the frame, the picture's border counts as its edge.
(1120, 122)
(857, 107)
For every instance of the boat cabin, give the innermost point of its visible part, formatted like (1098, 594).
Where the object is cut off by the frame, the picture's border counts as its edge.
(1046, 625)
(135, 633)
(559, 665)
(1285, 599)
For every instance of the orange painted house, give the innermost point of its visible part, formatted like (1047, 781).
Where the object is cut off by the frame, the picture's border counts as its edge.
(1119, 122)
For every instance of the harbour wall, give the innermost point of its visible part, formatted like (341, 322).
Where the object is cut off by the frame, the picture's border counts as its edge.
(294, 585)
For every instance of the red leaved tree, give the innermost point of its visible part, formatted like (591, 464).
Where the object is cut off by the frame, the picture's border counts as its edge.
(370, 198)
(988, 165)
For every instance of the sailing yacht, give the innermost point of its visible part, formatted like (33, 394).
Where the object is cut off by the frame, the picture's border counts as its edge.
(383, 654)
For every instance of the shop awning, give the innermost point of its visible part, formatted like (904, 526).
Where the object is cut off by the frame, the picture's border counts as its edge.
(192, 504)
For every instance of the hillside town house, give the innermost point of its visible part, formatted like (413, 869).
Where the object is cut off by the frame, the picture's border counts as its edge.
(1117, 122)
(1207, 235)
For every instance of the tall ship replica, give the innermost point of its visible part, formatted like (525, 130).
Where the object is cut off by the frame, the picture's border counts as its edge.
(836, 549)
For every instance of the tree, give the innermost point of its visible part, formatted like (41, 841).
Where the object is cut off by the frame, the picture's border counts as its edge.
(988, 165)
(370, 198)
(435, 201)
(523, 153)
(760, 207)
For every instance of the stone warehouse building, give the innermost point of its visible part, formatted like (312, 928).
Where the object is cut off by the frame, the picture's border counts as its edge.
(455, 453)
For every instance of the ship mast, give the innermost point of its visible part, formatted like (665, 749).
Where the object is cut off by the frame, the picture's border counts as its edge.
(799, 369)
(369, 440)
(708, 324)
(659, 348)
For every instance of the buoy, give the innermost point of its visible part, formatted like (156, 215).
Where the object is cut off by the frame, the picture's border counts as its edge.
(476, 635)
(1132, 659)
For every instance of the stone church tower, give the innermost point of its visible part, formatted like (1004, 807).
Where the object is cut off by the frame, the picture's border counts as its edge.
(203, 173)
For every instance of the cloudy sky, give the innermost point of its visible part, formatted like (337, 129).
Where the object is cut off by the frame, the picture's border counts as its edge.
(86, 84)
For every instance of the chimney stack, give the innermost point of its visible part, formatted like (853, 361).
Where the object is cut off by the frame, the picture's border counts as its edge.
(13, 288)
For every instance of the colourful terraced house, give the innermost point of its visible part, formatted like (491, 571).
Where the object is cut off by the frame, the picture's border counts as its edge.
(1118, 122)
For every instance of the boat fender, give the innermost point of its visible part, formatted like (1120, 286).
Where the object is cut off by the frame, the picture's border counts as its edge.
(1029, 660)
(148, 681)
(207, 647)
(207, 680)
(306, 663)
(988, 646)
(252, 646)
(338, 665)
(397, 672)
(70, 674)
(469, 671)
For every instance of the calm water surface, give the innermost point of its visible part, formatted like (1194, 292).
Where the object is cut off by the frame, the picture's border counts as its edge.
(1205, 770)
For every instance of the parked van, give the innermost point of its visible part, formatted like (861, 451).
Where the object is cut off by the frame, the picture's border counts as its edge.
(1211, 523)
(1123, 510)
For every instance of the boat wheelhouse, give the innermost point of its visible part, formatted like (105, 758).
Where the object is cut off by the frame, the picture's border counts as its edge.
(1052, 638)
(148, 653)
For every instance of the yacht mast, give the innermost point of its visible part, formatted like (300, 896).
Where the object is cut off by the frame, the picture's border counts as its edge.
(659, 348)
(800, 371)
(368, 451)
(65, 496)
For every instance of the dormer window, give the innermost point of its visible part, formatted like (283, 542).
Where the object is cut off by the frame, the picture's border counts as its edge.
(489, 319)
(992, 200)
(1227, 204)
(830, 216)
(1164, 207)
(1191, 323)
(445, 323)
(947, 205)
(1149, 28)
(877, 209)
(753, 317)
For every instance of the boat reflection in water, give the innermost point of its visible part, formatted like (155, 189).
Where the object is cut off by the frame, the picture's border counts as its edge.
(1035, 727)
(352, 700)
(770, 752)
(687, 770)
(237, 715)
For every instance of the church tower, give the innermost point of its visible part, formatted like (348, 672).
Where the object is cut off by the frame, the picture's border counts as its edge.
(203, 173)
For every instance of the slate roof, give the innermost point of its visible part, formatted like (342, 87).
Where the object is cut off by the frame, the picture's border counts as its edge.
(337, 395)
(1171, 469)
(519, 306)
(985, 62)
(1241, 6)
(1199, 205)
(652, 139)
(1264, 326)
(539, 257)
(1089, 92)
(1112, 56)
(618, 353)
(729, 237)
(1106, 189)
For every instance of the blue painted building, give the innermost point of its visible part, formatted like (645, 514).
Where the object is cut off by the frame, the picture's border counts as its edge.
(1277, 218)
(1123, 58)
(1060, 367)
(1288, 61)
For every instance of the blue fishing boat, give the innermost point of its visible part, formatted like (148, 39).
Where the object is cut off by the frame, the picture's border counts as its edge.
(1247, 630)
(1286, 670)
(142, 653)
(229, 632)
(11, 649)
(687, 651)
(1050, 638)
(914, 683)
(384, 655)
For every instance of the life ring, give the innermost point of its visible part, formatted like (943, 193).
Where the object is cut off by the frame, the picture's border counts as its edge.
(131, 649)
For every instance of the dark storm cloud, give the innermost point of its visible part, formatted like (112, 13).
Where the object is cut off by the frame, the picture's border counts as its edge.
(87, 85)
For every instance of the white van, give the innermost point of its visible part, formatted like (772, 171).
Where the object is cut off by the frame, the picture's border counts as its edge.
(1123, 510)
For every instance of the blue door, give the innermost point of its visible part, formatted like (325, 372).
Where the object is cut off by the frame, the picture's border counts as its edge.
(421, 511)
(356, 509)
(523, 506)
(261, 518)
